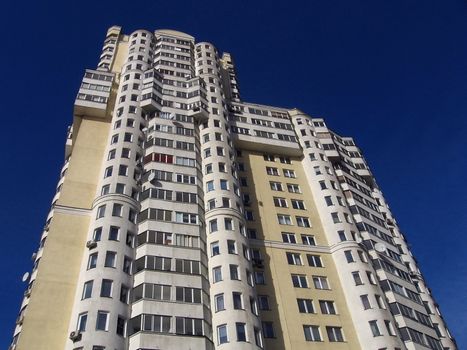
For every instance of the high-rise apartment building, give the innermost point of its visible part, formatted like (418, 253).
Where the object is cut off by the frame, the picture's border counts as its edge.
(186, 218)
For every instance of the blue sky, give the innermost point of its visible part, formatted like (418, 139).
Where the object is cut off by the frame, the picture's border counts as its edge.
(392, 74)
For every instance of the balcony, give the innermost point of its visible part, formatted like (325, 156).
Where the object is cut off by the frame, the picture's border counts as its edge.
(94, 94)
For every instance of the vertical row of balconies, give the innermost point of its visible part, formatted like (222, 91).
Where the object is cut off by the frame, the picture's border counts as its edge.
(171, 290)
(235, 319)
(372, 320)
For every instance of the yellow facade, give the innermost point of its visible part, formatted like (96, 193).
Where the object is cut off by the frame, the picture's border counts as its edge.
(287, 320)
(54, 288)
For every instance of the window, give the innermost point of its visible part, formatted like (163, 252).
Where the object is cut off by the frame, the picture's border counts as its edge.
(110, 258)
(335, 218)
(328, 200)
(391, 330)
(268, 330)
(284, 219)
(342, 236)
(327, 307)
(208, 168)
(349, 256)
(224, 184)
(294, 258)
(293, 188)
(365, 301)
(120, 326)
(237, 300)
(92, 261)
(213, 226)
(219, 302)
(105, 190)
(100, 212)
(228, 224)
(288, 237)
(117, 210)
(357, 278)
(97, 234)
(123, 170)
(186, 218)
(320, 282)
(126, 153)
(275, 186)
(120, 188)
(374, 328)
(111, 154)
(222, 334)
(211, 204)
(106, 288)
(303, 221)
(289, 173)
(379, 301)
(299, 281)
(308, 240)
(241, 331)
(314, 260)
(87, 290)
(215, 249)
(312, 333)
(124, 294)
(280, 202)
(371, 277)
(217, 274)
(114, 233)
(249, 215)
(334, 334)
(298, 204)
(127, 265)
(272, 171)
(102, 320)
(231, 247)
(322, 185)
(263, 302)
(108, 172)
(81, 324)
(259, 278)
(305, 306)
(268, 157)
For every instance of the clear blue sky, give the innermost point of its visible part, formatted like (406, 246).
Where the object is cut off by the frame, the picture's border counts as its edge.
(392, 74)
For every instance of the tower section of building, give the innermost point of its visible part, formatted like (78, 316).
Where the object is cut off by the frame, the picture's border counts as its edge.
(171, 291)
(101, 309)
(233, 298)
(363, 295)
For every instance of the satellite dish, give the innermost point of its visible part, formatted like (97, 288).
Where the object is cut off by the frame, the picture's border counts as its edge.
(152, 177)
(380, 247)
(25, 277)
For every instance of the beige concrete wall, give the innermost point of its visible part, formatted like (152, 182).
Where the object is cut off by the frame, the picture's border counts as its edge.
(46, 320)
(288, 322)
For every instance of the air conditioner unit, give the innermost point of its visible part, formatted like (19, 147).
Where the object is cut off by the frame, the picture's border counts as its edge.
(91, 244)
(27, 293)
(75, 336)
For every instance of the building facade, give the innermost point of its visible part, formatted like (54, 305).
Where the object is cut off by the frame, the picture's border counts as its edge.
(186, 218)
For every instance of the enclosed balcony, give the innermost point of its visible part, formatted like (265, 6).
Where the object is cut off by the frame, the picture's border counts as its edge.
(94, 93)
